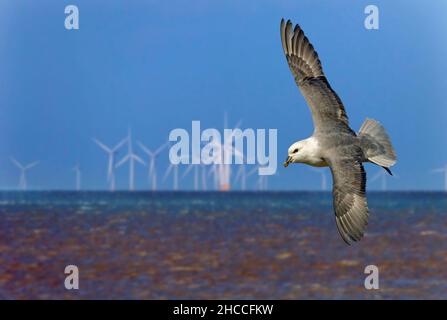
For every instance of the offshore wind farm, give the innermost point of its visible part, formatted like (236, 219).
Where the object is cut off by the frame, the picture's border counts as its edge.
(213, 176)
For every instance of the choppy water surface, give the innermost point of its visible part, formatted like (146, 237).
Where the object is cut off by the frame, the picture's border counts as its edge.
(218, 246)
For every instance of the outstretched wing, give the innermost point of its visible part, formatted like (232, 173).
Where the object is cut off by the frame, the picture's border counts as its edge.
(351, 209)
(305, 65)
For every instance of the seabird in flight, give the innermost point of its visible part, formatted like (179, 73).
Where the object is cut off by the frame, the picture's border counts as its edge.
(333, 143)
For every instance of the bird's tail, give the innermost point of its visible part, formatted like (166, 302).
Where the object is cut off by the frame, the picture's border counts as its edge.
(376, 144)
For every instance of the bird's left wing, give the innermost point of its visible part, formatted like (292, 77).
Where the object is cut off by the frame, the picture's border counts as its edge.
(349, 181)
(324, 103)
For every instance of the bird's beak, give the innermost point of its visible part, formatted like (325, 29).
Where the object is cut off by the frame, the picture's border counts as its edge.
(288, 160)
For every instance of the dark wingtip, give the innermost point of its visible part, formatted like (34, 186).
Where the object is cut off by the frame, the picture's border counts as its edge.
(388, 170)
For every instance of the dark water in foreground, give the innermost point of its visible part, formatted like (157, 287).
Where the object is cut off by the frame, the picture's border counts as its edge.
(218, 246)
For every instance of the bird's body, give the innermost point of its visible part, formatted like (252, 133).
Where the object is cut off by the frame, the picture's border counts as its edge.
(333, 143)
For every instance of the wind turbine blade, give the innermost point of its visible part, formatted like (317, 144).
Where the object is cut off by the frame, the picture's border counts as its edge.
(215, 144)
(212, 170)
(16, 163)
(119, 145)
(138, 159)
(129, 136)
(238, 124)
(225, 120)
(145, 149)
(102, 145)
(29, 166)
(122, 161)
(238, 154)
(161, 148)
(437, 170)
(377, 175)
(168, 171)
(229, 149)
(188, 169)
(252, 171)
(239, 173)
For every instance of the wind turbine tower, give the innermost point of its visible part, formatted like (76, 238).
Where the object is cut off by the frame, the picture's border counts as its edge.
(242, 177)
(323, 178)
(174, 169)
(131, 157)
(152, 173)
(261, 182)
(77, 171)
(382, 175)
(196, 167)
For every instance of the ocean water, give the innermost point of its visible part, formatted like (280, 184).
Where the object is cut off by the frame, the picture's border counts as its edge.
(269, 245)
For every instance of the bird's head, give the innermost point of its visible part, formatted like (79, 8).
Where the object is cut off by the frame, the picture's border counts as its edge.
(294, 155)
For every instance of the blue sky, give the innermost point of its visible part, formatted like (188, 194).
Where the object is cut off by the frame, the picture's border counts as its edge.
(157, 65)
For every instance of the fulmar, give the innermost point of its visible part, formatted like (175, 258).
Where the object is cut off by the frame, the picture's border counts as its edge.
(333, 143)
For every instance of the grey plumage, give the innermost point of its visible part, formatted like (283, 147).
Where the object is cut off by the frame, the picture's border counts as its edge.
(306, 68)
(339, 147)
(376, 143)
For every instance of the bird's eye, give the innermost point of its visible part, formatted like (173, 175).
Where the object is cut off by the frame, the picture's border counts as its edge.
(295, 151)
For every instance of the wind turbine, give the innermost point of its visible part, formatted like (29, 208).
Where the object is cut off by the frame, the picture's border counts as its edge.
(23, 168)
(196, 168)
(224, 170)
(323, 178)
(214, 171)
(242, 176)
(204, 185)
(131, 157)
(221, 170)
(152, 173)
(174, 169)
(77, 171)
(111, 161)
(261, 182)
(442, 170)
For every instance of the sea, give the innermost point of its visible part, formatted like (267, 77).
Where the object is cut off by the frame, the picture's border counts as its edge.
(219, 245)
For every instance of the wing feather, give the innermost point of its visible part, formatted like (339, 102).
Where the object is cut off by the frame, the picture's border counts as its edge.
(303, 60)
(351, 209)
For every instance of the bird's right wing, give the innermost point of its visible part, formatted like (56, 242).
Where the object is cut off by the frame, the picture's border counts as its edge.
(351, 209)
(324, 103)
